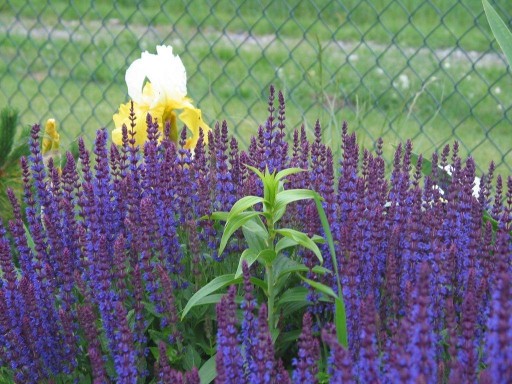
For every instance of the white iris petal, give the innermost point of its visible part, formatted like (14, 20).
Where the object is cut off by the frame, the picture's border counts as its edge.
(165, 72)
(134, 78)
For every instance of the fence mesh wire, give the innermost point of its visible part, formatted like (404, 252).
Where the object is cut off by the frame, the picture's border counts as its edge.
(422, 69)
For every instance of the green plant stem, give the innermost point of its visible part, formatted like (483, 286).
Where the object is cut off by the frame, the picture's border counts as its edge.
(270, 277)
(271, 298)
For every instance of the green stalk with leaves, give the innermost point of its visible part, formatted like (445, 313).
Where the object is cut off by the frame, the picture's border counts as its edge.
(13, 145)
(266, 242)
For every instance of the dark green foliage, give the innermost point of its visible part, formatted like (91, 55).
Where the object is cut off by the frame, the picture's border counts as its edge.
(13, 145)
(8, 121)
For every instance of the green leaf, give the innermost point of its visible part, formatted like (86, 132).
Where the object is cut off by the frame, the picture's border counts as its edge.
(326, 290)
(155, 352)
(151, 308)
(278, 213)
(8, 127)
(290, 195)
(274, 334)
(250, 256)
(285, 242)
(206, 347)
(256, 171)
(340, 320)
(296, 294)
(279, 266)
(302, 239)
(267, 255)
(30, 240)
(214, 285)
(328, 237)
(191, 358)
(319, 270)
(232, 225)
(243, 204)
(214, 299)
(487, 217)
(426, 165)
(270, 190)
(130, 317)
(287, 172)
(286, 309)
(260, 283)
(208, 372)
(318, 239)
(284, 266)
(255, 234)
(499, 29)
(221, 216)
(291, 336)
(19, 149)
(73, 149)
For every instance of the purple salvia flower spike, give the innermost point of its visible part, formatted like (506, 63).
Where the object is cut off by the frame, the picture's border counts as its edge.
(229, 361)
(421, 339)
(281, 143)
(192, 377)
(339, 361)
(125, 354)
(497, 206)
(282, 376)
(163, 371)
(262, 366)
(306, 364)
(249, 327)
(170, 315)
(468, 351)
(87, 320)
(368, 364)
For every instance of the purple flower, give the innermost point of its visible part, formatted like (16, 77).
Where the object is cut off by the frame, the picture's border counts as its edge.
(306, 363)
(262, 365)
(368, 363)
(229, 356)
(499, 334)
(468, 349)
(88, 322)
(124, 352)
(248, 334)
(421, 347)
(340, 364)
(169, 314)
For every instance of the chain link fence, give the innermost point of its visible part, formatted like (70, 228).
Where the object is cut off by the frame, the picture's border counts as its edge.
(422, 69)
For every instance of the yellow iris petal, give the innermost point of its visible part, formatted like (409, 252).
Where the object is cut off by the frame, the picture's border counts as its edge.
(193, 120)
(51, 139)
(162, 102)
(141, 111)
(164, 92)
(51, 143)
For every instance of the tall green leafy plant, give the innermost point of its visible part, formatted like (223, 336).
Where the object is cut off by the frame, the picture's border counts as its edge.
(13, 145)
(266, 241)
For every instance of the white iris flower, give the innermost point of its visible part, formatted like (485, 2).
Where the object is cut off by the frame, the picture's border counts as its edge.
(162, 95)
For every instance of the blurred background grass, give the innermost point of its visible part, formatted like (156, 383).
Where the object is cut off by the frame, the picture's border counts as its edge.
(421, 69)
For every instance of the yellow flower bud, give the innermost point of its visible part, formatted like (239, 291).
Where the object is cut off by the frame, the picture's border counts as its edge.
(51, 143)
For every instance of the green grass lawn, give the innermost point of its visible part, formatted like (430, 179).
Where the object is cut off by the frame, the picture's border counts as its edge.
(233, 53)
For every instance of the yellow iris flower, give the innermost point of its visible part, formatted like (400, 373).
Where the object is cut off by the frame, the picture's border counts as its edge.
(162, 96)
(51, 142)
(51, 139)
